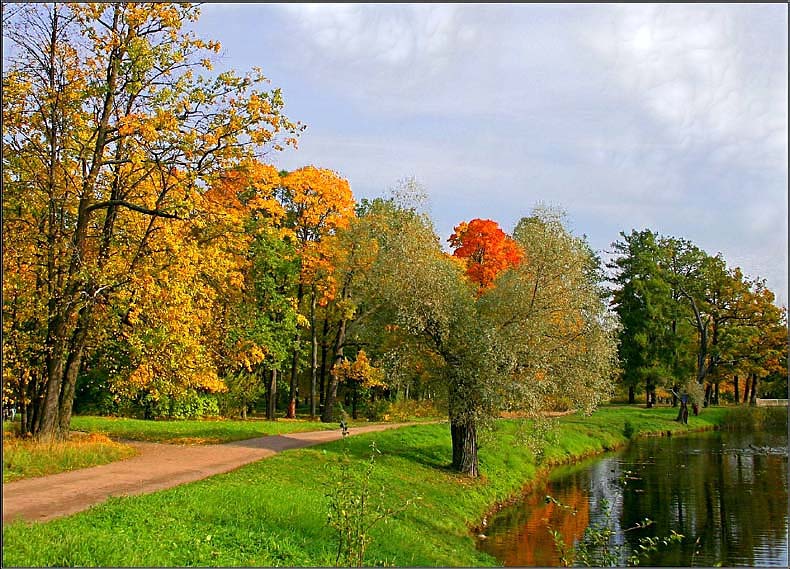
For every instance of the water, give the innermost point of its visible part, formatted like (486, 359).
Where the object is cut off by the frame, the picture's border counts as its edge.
(726, 492)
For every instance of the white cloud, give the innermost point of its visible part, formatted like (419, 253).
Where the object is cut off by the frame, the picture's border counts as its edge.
(381, 39)
(702, 71)
(672, 117)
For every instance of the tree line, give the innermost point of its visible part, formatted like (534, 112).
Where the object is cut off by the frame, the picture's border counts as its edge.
(155, 264)
(690, 323)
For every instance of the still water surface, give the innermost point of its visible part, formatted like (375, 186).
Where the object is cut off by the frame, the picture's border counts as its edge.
(726, 492)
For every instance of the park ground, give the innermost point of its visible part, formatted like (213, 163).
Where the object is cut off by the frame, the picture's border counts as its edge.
(274, 512)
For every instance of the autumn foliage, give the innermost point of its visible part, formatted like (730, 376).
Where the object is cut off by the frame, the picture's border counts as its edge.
(486, 249)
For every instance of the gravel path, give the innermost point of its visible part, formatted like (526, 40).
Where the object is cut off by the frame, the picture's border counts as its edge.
(156, 467)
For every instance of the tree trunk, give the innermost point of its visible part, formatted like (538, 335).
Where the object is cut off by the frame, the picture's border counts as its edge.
(746, 389)
(464, 438)
(737, 395)
(324, 352)
(753, 395)
(271, 400)
(702, 335)
(55, 351)
(291, 413)
(328, 415)
(649, 399)
(675, 389)
(716, 393)
(706, 401)
(73, 364)
(313, 353)
(631, 395)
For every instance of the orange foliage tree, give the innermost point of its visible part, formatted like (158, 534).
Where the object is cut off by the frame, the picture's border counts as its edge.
(110, 131)
(318, 202)
(486, 249)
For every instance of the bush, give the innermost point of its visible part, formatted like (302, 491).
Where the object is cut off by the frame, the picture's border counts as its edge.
(189, 405)
(755, 418)
(406, 409)
(628, 430)
(376, 410)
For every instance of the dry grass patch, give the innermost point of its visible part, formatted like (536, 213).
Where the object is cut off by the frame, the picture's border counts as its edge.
(24, 458)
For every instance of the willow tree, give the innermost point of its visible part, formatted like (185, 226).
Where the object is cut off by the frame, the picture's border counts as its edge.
(541, 333)
(109, 113)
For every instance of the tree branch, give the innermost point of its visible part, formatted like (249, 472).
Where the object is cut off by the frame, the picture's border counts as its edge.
(133, 207)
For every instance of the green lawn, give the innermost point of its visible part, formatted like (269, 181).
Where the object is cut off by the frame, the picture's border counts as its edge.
(274, 512)
(195, 432)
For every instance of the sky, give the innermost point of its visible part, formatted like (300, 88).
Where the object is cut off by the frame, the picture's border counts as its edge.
(667, 117)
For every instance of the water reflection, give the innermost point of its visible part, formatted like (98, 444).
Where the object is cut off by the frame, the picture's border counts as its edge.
(726, 492)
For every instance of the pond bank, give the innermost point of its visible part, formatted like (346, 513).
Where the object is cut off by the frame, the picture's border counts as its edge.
(724, 491)
(274, 512)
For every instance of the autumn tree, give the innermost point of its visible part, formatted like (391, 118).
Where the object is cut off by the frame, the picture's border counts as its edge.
(508, 348)
(317, 202)
(256, 316)
(486, 249)
(110, 131)
(352, 251)
(361, 375)
(754, 346)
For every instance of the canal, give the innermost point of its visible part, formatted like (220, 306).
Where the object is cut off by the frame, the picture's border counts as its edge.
(725, 492)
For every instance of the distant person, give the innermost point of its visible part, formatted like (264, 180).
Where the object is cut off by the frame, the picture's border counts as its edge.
(684, 408)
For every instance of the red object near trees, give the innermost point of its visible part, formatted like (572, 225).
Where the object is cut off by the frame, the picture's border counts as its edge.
(486, 249)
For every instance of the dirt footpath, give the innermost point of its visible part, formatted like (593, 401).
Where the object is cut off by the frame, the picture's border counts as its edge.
(158, 466)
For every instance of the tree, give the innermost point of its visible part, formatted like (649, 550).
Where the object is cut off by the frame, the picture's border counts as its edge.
(259, 316)
(653, 338)
(755, 345)
(486, 249)
(109, 133)
(541, 334)
(351, 253)
(555, 334)
(318, 202)
(360, 375)
(676, 303)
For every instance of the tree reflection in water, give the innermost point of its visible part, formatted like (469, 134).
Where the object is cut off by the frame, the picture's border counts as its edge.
(726, 492)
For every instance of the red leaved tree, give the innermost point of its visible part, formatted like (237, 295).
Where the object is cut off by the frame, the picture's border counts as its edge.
(486, 249)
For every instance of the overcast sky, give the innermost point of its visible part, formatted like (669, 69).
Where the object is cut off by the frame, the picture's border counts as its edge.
(668, 117)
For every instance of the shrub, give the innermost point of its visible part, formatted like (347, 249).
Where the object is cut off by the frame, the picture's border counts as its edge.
(406, 409)
(628, 430)
(376, 410)
(755, 418)
(190, 405)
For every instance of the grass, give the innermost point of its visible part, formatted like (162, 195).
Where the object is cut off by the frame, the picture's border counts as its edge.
(24, 458)
(195, 431)
(273, 512)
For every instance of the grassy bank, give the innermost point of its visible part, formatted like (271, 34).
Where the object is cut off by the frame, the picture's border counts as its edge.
(26, 459)
(274, 512)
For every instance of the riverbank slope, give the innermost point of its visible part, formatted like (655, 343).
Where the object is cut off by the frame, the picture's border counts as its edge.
(274, 512)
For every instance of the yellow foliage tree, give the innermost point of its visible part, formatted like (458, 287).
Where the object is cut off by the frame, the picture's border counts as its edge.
(110, 133)
(318, 202)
